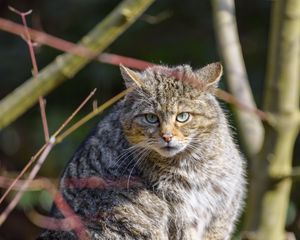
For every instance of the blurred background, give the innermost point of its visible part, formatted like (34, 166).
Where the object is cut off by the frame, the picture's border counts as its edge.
(170, 32)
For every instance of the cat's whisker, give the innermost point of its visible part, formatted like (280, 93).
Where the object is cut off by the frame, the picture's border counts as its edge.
(131, 150)
(142, 150)
(138, 147)
(141, 158)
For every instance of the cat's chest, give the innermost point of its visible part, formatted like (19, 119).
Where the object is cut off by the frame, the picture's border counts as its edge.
(190, 192)
(193, 195)
(192, 214)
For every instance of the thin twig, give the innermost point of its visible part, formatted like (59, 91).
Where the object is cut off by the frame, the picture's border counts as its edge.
(115, 59)
(229, 98)
(35, 185)
(31, 176)
(32, 160)
(74, 113)
(50, 222)
(66, 46)
(35, 67)
(69, 215)
(92, 114)
(71, 220)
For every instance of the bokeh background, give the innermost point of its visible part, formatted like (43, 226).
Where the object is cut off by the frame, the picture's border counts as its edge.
(170, 32)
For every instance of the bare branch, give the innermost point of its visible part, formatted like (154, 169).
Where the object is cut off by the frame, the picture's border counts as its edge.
(294, 175)
(32, 175)
(94, 113)
(225, 96)
(73, 220)
(46, 39)
(35, 68)
(67, 65)
(76, 49)
(74, 113)
(35, 185)
(32, 160)
(250, 126)
(51, 223)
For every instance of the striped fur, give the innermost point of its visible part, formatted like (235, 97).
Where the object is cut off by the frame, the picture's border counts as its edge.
(143, 187)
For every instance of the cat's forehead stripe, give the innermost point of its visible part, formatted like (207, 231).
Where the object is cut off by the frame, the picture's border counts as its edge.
(182, 73)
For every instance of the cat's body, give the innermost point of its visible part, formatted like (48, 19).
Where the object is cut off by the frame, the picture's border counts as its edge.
(162, 165)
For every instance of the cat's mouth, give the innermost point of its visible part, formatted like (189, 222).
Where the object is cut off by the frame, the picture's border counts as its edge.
(169, 151)
(169, 148)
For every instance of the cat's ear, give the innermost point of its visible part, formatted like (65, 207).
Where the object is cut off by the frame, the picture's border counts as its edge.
(131, 78)
(210, 75)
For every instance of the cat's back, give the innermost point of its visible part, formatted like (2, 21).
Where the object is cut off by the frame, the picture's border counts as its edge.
(101, 183)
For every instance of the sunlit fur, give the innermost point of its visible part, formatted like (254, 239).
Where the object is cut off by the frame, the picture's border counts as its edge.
(166, 97)
(203, 156)
(193, 190)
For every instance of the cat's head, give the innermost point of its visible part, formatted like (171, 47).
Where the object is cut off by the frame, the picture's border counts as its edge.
(169, 110)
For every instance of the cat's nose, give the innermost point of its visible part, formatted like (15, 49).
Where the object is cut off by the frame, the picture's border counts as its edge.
(167, 137)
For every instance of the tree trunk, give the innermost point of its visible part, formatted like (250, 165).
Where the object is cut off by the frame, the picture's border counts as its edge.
(281, 101)
(249, 125)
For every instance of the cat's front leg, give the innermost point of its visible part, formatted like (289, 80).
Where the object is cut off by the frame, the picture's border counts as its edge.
(194, 231)
(219, 229)
(222, 225)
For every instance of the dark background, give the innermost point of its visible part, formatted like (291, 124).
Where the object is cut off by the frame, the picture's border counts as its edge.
(186, 36)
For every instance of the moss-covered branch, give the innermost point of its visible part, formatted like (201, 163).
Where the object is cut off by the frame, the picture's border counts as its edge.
(250, 126)
(281, 100)
(67, 65)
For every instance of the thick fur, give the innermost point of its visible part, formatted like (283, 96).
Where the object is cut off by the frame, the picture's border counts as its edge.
(191, 191)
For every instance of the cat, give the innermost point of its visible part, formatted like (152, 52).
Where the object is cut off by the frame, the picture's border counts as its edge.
(162, 165)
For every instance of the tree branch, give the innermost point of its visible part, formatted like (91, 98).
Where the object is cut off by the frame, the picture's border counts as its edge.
(281, 99)
(294, 175)
(250, 126)
(26, 184)
(67, 65)
(35, 70)
(66, 46)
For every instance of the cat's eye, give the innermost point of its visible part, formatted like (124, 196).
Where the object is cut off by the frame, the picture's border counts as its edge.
(151, 118)
(182, 117)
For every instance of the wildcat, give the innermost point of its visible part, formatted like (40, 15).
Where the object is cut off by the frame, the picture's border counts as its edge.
(167, 164)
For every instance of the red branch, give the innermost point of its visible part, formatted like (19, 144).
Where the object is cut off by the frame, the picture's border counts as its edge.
(32, 160)
(41, 150)
(108, 58)
(35, 68)
(70, 47)
(26, 184)
(98, 182)
(73, 219)
(229, 98)
(51, 223)
(43, 153)
(70, 221)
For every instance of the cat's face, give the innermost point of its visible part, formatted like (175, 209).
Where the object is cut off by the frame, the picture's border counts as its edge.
(167, 115)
